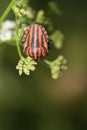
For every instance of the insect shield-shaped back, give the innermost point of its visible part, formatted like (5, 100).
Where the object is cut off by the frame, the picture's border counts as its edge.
(35, 41)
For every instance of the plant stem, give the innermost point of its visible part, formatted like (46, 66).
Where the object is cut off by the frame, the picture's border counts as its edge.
(17, 39)
(7, 11)
(47, 62)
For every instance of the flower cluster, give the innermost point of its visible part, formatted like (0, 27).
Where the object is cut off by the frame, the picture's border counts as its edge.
(21, 8)
(58, 38)
(26, 65)
(40, 18)
(53, 8)
(57, 66)
(7, 30)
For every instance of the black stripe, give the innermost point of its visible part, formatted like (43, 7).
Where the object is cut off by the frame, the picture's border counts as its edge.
(45, 50)
(32, 44)
(32, 52)
(37, 34)
(39, 50)
(45, 33)
(24, 50)
(38, 37)
(36, 53)
(28, 52)
(28, 41)
(42, 40)
(43, 45)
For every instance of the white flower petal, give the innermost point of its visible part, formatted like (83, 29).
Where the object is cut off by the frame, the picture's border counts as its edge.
(8, 24)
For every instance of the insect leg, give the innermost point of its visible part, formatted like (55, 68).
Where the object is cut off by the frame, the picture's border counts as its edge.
(49, 41)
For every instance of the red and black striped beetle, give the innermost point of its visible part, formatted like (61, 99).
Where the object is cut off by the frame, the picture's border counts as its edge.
(35, 41)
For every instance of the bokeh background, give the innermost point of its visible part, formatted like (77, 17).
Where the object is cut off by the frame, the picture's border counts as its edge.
(38, 102)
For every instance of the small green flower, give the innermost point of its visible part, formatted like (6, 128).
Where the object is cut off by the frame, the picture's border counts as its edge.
(57, 66)
(25, 65)
(58, 38)
(22, 9)
(41, 18)
(53, 8)
(21, 31)
(30, 13)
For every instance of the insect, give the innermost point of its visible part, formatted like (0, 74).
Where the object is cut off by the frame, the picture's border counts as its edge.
(36, 41)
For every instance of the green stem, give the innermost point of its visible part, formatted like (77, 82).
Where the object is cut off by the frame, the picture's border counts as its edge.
(17, 39)
(7, 11)
(47, 62)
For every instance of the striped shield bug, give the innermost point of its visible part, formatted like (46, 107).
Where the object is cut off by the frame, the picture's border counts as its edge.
(36, 41)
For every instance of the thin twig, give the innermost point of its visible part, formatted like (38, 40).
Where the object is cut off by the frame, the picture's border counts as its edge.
(17, 40)
(6, 11)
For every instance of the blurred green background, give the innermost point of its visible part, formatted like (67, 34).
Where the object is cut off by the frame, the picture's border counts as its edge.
(38, 102)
